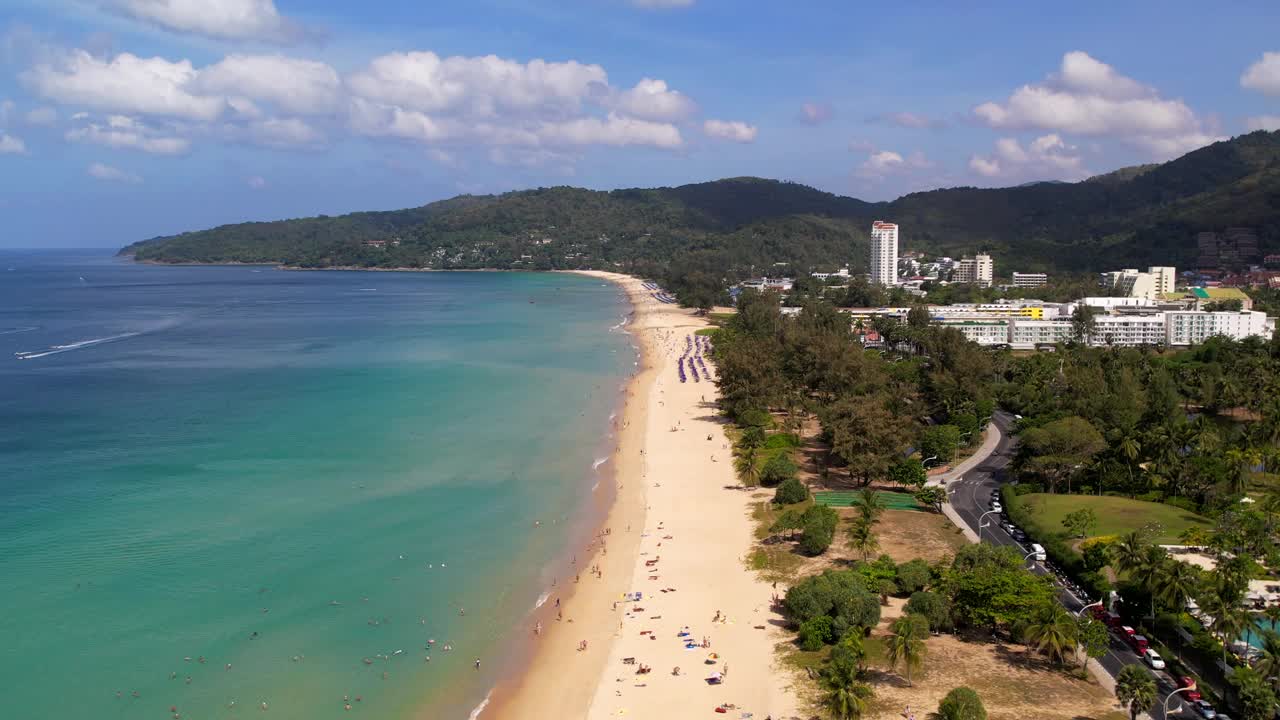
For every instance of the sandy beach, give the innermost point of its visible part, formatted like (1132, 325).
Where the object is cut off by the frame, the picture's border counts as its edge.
(678, 533)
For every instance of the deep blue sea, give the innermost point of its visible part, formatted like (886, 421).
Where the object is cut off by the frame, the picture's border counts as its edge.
(298, 477)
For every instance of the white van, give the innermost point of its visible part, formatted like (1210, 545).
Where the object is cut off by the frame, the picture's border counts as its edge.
(1038, 549)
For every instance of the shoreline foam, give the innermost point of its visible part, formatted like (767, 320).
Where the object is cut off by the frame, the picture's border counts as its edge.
(669, 481)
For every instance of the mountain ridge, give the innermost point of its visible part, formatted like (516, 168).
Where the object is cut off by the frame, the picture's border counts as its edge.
(1141, 215)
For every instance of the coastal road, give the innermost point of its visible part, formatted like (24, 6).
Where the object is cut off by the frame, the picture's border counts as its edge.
(970, 497)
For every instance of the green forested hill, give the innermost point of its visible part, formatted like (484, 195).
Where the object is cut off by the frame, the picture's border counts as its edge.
(1134, 216)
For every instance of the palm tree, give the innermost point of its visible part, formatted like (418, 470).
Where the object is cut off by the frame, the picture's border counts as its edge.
(1152, 562)
(1053, 631)
(862, 539)
(747, 466)
(906, 643)
(1173, 585)
(870, 504)
(844, 696)
(1229, 619)
(1129, 448)
(1135, 689)
(1268, 662)
(1127, 553)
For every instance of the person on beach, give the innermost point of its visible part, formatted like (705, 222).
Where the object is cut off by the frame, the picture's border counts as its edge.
(477, 663)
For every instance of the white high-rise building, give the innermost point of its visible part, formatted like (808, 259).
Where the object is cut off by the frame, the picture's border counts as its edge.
(977, 269)
(1150, 285)
(884, 253)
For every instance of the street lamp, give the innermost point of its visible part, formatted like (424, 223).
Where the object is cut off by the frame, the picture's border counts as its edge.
(1086, 607)
(1169, 697)
(925, 462)
(982, 524)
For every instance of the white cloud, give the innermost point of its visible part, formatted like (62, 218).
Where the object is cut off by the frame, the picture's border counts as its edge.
(1264, 122)
(613, 130)
(660, 4)
(287, 102)
(481, 87)
(284, 133)
(125, 132)
(909, 120)
(653, 100)
(815, 113)
(127, 83)
(1264, 75)
(10, 145)
(1047, 157)
(226, 19)
(880, 163)
(730, 130)
(112, 174)
(42, 116)
(256, 182)
(1088, 97)
(291, 84)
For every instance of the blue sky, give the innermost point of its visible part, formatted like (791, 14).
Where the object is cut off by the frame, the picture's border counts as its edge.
(126, 119)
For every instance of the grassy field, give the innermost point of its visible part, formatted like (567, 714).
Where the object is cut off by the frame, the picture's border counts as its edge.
(1116, 515)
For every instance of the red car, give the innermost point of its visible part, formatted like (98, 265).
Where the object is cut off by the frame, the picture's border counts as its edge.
(1099, 613)
(1114, 622)
(1127, 632)
(1139, 644)
(1191, 695)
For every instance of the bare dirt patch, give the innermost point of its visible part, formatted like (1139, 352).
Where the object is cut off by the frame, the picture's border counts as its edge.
(906, 535)
(1013, 683)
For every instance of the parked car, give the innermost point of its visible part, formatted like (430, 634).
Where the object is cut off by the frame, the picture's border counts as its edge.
(1186, 681)
(996, 506)
(1127, 632)
(1205, 709)
(1114, 622)
(1153, 659)
(1039, 552)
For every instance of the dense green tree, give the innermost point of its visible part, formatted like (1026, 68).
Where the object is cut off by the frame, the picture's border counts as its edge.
(933, 606)
(1057, 450)
(940, 442)
(1080, 522)
(790, 491)
(914, 575)
(1093, 638)
(777, 469)
(908, 472)
(817, 529)
(990, 587)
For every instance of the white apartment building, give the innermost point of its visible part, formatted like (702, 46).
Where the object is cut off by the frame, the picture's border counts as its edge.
(1030, 280)
(1191, 327)
(1026, 333)
(1149, 285)
(1128, 329)
(978, 270)
(982, 332)
(884, 253)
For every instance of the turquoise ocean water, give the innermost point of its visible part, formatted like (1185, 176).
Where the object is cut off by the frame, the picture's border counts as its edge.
(338, 462)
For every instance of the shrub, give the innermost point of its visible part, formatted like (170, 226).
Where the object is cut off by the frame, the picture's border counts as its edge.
(754, 418)
(818, 529)
(962, 703)
(1183, 503)
(816, 632)
(1095, 552)
(790, 492)
(779, 441)
(914, 575)
(777, 469)
(934, 607)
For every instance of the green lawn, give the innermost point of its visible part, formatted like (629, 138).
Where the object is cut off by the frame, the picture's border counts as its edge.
(1116, 515)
